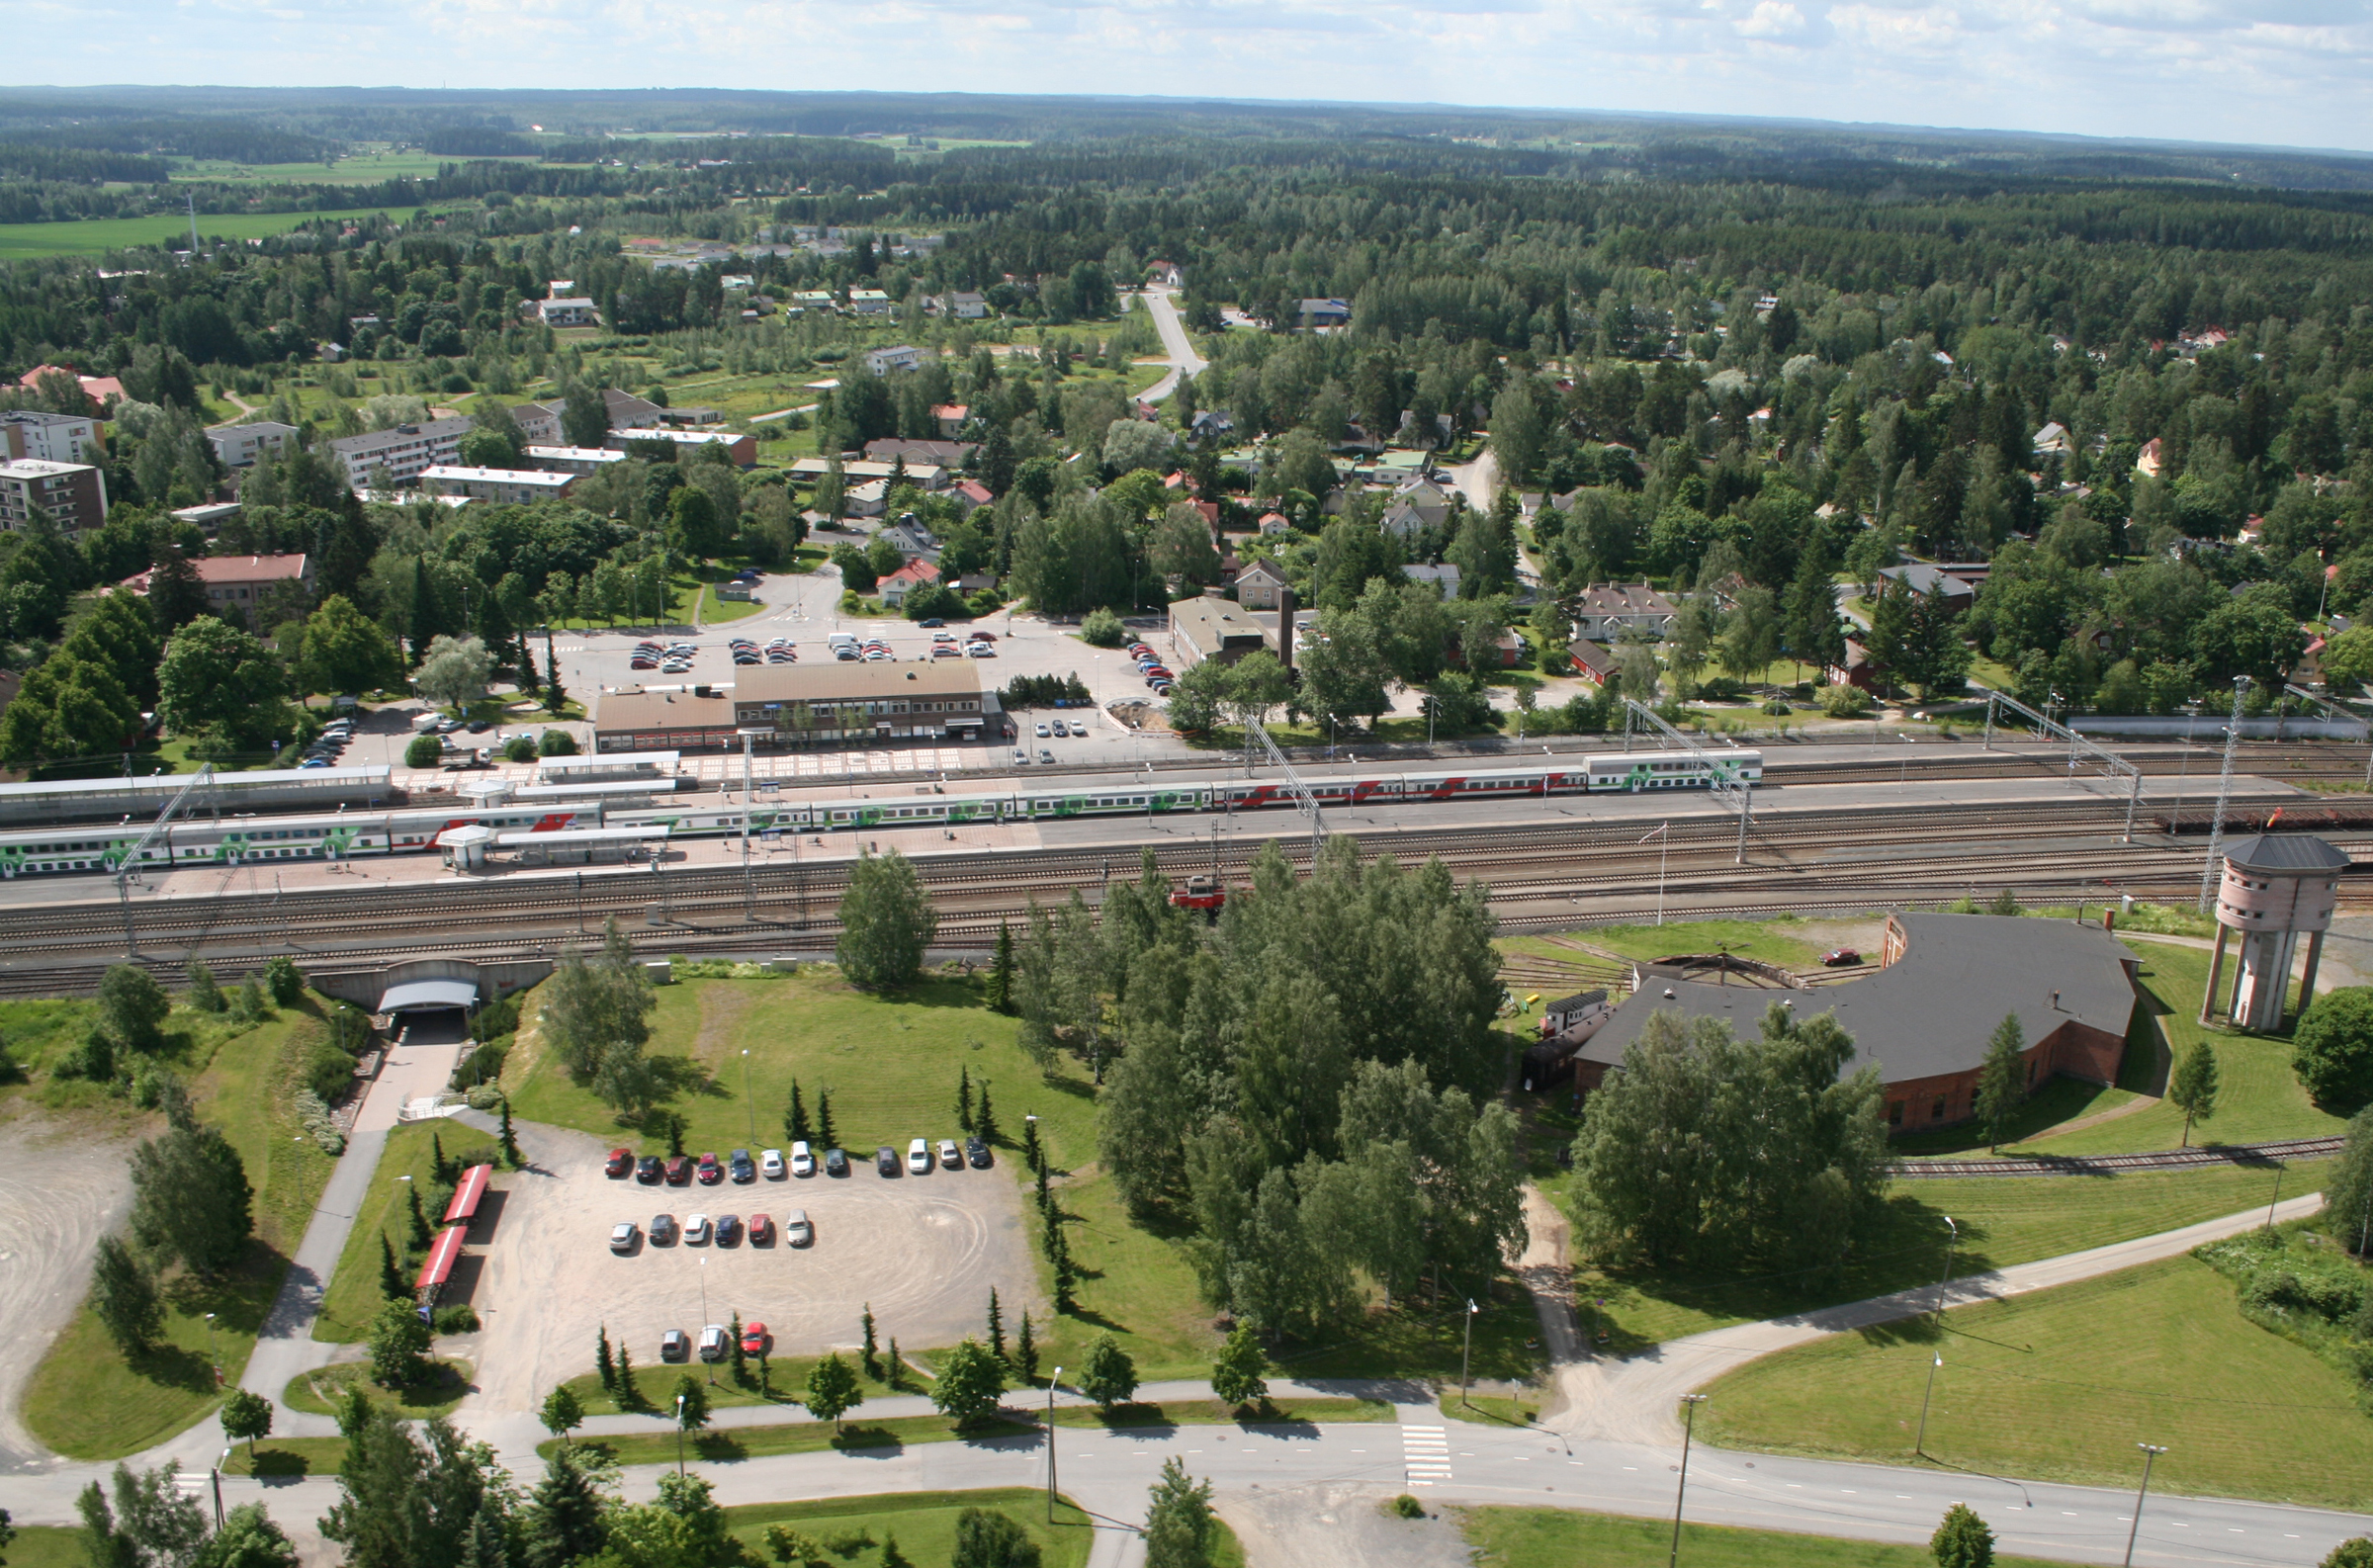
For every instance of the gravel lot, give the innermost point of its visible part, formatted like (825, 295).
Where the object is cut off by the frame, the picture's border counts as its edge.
(925, 1250)
(59, 1194)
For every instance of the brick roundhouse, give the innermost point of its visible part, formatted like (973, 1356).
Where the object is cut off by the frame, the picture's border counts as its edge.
(1924, 1019)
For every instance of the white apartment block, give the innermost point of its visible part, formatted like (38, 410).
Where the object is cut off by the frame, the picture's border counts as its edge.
(48, 437)
(389, 459)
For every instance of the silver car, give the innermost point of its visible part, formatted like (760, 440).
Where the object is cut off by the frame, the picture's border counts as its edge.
(797, 1232)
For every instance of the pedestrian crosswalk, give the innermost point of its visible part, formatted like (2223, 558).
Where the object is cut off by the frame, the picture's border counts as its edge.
(1425, 1454)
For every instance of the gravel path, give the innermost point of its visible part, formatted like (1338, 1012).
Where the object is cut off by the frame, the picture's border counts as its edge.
(59, 1193)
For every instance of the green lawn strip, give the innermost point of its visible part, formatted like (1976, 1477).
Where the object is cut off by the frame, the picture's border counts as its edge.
(2003, 1220)
(317, 1393)
(47, 1546)
(714, 610)
(1555, 1537)
(86, 1400)
(723, 1444)
(923, 1522)
(292, 1456)
(2061, 1385)
(353, 1296)
(90, 236)
(786, 1376)
(1517, 1409)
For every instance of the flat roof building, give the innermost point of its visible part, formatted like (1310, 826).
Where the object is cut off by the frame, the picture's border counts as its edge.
(511, 487)
(801, 705)
(743, 450)
(74, 494)
(573, 460)
(1214, 628)
(391, 459)
(239, 445)
(48, 437)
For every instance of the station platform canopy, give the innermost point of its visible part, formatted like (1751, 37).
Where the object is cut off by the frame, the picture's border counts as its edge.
(427, 996)
(606, 766)
(437, 1268)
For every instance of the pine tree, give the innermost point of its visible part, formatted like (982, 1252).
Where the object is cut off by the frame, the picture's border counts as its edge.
(964, 1097)
(1025, 1349)
(391, 1276)
(1001, 973)
(603, 1361)
(983, 1120)
(997, 1327)
(870, 1361)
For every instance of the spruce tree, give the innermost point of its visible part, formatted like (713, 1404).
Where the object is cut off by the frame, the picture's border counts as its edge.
(983, 1120)
(1025, 1349)
(1033, 1155)
(795, 1117)
(603, 1361)
(964, 1097)
(629, 1396)
(741, 1359)
(824, 1120)
(894, 1367)
(1000, 995)
(997, 1327)
(391, 1276)
(510, 1143)
(872, 1361)
(438, 1167)
(419, 1219)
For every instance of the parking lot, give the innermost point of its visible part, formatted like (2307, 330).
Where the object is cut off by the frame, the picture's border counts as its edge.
(924, 1250)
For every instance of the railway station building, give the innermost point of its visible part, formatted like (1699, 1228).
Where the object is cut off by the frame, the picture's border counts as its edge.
(795, 705)
(1925, 1018)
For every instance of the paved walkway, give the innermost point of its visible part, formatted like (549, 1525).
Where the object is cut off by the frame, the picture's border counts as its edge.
(1635, 1399)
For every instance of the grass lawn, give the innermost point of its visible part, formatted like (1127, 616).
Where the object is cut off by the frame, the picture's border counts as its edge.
(286, 1456)
(317, 1393)
(47, 1546)
(1772, 941)
(2002, 1221)
(92, 235)
(86, 1401)
(353, 1298)
(2062, 1385)
(923, 1523)
(857, 1431)
(1517, 1409)
(714, 609)
(1555, 1537)
(786, 1378)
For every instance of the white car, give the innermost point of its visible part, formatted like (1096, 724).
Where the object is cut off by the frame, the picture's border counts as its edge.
(803, 1162)
(1042, 732)
(949, 1155)
(919, 1156)
(696, 1230)
(797, 1232)
(771, 1164)
(623, 1236)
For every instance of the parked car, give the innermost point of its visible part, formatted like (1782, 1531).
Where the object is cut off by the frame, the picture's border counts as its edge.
(797, 1232)
(771, 1164)
(803, 1163)
(1042, 731)
(714, 1345)
(709, 1171)
(662, 1229)
(729, 1229)
(949, 1155)
(739, 1166)
(679, 1170)
(620, 1162)
(761, 1231)
(885, 1159)
(623, 1236)
(1044, 755)
(835, 1163)
(754, 1338)
(919, 1156)
(649, 1168)
(1841, 958)
(978, 1153)
(696, 1230)
(673, 1346)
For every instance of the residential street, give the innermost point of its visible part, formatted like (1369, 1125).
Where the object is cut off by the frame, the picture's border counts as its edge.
(1175, 343)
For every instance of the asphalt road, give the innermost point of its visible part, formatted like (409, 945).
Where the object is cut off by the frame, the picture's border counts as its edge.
(1175, 342)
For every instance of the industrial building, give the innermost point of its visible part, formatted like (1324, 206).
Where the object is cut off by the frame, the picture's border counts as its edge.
(1925, 1018)
(803, 705)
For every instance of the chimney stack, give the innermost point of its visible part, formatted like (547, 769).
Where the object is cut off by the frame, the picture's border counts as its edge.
(1285, 629)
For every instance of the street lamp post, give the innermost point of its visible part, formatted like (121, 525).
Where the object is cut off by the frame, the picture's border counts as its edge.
(1689, 1405)
(679, 1436)
(1466, 1349)
(1952, 1239)
(1050, 1443)
(211, 1362)
(1919, 1443)
(2151, 1452)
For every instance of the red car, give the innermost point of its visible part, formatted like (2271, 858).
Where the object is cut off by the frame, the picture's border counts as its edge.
(754, 1338)
(680, 1171)
(621, 1161)
(761, 1231)
(1840, 958)
(709, 1171)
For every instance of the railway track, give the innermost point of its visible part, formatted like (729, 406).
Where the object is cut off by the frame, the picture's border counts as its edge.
(2113, 1163)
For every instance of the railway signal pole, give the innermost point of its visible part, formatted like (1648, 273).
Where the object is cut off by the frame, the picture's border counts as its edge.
(1721, 776)
(2111, 764)
(128, 866)
(1254, 729)
(2216, 823)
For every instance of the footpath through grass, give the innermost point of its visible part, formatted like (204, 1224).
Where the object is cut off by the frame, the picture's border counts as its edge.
(2003, 1220)
(721, 1445)
(855, 1528)
(353, 1298)
(2061, 1385)
(87, 1400)
(1551, 1537)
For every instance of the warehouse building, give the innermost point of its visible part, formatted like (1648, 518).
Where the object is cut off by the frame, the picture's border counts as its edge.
(1925, 1018)
(796, 705)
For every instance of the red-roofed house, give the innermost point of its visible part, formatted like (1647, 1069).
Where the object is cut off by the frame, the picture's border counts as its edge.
(952, 417)
(238, 582)
(971, 493)
(100, 390)
(914, 574)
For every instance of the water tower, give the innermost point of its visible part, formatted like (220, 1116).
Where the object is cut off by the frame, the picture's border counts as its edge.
(2274, 889)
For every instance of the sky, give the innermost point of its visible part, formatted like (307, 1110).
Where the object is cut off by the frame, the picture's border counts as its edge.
(2261, 72)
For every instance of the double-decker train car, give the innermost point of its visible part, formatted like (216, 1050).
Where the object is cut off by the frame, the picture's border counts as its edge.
(237, 841)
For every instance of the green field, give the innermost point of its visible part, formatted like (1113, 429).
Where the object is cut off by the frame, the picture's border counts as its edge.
(364, 168)
(286, 1456)
(2002, 1221)
(1549, 1538)
(923, 1524)
(94, 236)
(86, 1400)
(2062, 1385)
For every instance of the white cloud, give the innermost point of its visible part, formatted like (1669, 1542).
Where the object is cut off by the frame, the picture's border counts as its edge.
(2251, 71)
